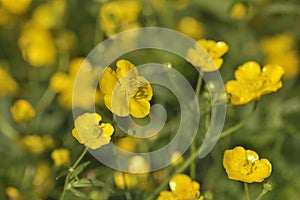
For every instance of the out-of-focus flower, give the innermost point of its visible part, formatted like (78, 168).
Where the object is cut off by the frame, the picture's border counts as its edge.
(176, 158)
(49, 14)
(238, 11)
(183, 188)
(191, 27)
(138, 164)
(127, 143)
(125, 92)
(37, 46)
(22, 111)
(245, 165)
(7, 20)
(63, 84)
(281, 49)
(61, 157)
(90, 132)
(252, 82)
(215, 50)
(14, 194)
(42, 181)
(125, 180)
(8, 86)
(16, 7)
(118, 16)
(37, 144)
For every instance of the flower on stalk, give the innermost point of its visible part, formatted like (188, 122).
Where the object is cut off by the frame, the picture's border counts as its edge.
(245, 165)
(125, 92)
(215, 50)
(182, 188)
(252, 82)
(22, 111)
(90, 132)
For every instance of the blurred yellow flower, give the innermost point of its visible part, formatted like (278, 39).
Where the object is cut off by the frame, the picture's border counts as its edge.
(49, 14)
(7, 20)
(215, 49)
(125, 179)
(191, 27)
(16, 7)
(182, 188)
(8, 86)
(90, 132)
(238, 11)
(37, 144)
(282, 49)
(125, 92)
(245, 165)
(14, 194)
(61, 157)
(127, 143)
(63, 84)
(176, 158)
(37, 46)
(42, 181)
(22, 111)
(252, 82)
(120, 15)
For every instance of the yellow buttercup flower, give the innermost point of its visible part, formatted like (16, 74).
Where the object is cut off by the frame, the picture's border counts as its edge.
(182, 188)
(238, 11)
(125, 92)
(282, 49)
(125, 180)
(191, 27)
(127, 143)
(215, 49)
(63, 84)
(15, 194)
(245, 165)
(176, 158)
(43, 180)
(61, 157)
(8, 86)
(37, 46)
(118, 16)
(37, 144)
(22, 111)
(252, 82)
(90, 132)
(16, 7)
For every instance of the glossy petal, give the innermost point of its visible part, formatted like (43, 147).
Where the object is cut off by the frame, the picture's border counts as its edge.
(108, 81)
(139, 108)
(126, 68)
(249, 70)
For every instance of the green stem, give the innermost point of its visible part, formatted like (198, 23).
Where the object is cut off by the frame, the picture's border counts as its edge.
(239, 125)
(71, 169)
(248, 197)
(193, 145)
(263, 192)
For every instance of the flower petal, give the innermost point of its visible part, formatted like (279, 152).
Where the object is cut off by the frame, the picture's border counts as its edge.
(126, 68)
(249, 70)
(139, 108)
(108, 81)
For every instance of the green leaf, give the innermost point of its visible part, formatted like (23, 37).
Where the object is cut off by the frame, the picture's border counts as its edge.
(81, 167)
(79, 193)
(62, 174)
(85, 182)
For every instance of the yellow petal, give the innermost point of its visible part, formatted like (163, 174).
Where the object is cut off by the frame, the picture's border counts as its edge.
(108, 81)
(139, 108)
(179, 182)
(124, 67)
(107, 129)
(249, 70)
(76, 136)
(273, 72)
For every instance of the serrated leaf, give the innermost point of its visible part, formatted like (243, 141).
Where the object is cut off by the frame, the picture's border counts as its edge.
(81, 167)
(79, 193)
(62, 174)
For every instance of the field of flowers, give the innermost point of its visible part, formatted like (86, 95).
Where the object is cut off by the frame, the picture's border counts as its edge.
(149, 99)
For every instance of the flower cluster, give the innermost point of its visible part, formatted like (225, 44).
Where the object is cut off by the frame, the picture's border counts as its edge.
(245, 165)
(252, 82)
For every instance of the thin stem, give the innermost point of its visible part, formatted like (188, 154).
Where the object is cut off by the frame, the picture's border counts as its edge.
(66, 184)
(248, 197)
(239, 125)
(193, 145)
(263, 192)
